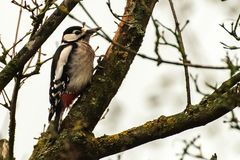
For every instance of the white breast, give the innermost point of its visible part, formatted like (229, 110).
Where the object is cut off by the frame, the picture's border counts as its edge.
(81, 67)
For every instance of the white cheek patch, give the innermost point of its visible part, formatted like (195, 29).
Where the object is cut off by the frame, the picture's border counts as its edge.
(70, 37)
(62, 62)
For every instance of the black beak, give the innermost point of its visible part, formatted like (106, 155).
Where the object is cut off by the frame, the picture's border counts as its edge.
(94, 30)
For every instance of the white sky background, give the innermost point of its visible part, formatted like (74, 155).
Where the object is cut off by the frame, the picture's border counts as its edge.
(132, 106)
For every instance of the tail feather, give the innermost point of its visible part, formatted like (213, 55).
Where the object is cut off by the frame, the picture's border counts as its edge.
(58, 112)
(51, 113)
(58, 120)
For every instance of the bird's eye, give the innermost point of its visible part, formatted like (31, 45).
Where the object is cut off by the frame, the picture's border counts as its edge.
(77, 32)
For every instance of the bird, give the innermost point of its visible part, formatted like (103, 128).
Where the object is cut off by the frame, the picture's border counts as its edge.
(71, 70)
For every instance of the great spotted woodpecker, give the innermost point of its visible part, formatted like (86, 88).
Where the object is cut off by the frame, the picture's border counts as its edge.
(71, 70)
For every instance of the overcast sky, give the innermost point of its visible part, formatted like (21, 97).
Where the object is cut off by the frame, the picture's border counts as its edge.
(147, 92)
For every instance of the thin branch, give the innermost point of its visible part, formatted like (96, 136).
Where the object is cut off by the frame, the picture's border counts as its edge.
(13, 103)
(167, 28)
(118, 17)
(38, 18)
(26, 6)
(166, 43)
(226, 46)
(12, 124)
(6, 51)
(5, 97)
(93, 20)
(5, 106)
(233, 31)
(214, 156)
(104, 35)
(181, 64)
(233, 121)
(20, 40)
(236, 24)
(4, 54)
(17, 29)
(182, 51)
(195, 80)
(192, 144)
(158, 36)
(36, 70)
(231, 66)
(185, 25)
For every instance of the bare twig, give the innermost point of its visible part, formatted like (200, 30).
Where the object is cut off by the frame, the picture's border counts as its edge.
(4, 54)
(12, 124)
(6, 51)
(233, 33)
(158, 36)
(192, 145)
(185, 25)
(40, 14)
(5, 106)
(233, 121)
(36, 70)
(233, 30)
(214, 157)
(16, 42)
(13, 103)
(6, 100)
(183, 52)
(118, 17)
(181, 64)
(92, 19)
(226, 46)
(231, 66)
(5, 97)
(17, 29)
(195, 80)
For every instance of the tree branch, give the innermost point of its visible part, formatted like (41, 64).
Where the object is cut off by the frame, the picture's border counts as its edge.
(175, 63)
(35, 42)
(181, 48)
(196, 115)
(208, 110)
(12, 123)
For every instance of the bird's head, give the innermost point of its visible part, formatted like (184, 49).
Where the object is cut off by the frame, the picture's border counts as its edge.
(76, 33)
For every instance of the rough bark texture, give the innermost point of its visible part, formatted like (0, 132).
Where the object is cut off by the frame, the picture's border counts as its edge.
(35, 42)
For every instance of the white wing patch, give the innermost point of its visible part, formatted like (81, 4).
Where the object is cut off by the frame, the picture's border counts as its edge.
(62, 62)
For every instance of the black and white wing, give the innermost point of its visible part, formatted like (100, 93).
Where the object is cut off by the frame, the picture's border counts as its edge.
(59, 78)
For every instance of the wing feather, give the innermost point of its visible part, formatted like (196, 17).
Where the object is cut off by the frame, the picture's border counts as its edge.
(58, 77)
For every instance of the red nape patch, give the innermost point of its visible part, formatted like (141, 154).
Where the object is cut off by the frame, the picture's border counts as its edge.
(67, 99)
